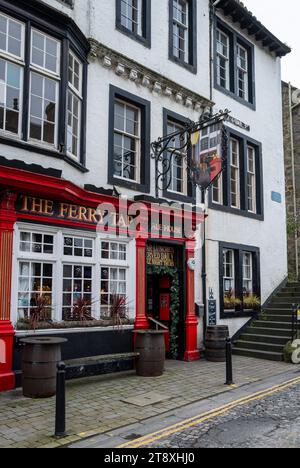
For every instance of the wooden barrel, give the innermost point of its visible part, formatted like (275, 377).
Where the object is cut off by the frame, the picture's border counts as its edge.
(215, 343)
(150, 344)
(39, 366)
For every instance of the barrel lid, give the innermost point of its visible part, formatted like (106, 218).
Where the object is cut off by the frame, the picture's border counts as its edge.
(44, 340)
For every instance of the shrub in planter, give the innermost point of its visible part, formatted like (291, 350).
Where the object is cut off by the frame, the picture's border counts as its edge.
(231, 302)
(251, 301)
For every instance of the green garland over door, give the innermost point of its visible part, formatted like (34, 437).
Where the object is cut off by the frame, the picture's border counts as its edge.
(175, 304)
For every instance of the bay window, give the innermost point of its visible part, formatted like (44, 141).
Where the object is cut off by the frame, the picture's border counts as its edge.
(74, 105)
(49, 117)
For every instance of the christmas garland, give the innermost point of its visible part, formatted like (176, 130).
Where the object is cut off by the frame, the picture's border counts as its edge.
(175, 304)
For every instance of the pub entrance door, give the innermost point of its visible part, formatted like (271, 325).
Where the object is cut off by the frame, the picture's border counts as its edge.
(165, 294)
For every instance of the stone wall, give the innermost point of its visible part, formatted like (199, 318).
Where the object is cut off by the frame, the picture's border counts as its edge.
(291, 190)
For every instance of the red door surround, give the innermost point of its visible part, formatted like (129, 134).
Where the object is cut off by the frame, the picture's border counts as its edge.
(15, 182)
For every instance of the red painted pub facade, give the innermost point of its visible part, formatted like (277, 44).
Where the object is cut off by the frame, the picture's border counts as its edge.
(43, 200)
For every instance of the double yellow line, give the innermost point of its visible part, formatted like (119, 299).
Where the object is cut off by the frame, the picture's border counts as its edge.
(191, 422)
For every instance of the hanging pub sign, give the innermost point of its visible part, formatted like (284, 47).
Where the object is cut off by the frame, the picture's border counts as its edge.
(160, 255)
(207, 160)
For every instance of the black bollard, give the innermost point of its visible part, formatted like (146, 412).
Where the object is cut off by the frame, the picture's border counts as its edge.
(229, 371)
(60, 413)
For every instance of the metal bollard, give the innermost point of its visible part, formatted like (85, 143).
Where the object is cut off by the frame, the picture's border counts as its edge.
(229, 371)
(60, 413)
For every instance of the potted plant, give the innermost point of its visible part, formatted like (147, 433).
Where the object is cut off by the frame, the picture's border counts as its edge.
(231, 302)
(251, 301)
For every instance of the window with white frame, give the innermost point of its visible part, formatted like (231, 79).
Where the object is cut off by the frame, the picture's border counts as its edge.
(127, 144)
(74, 105)
(44, 87)
(242, 72)
(132, 16)
(113, 288)
(77, 292)
(11, 74)
(235, 173)
(223, 52)
(247, 273)
(181, 30)
(113, 251)
(217, 190)
(251, 179)
(178, 166)
(35, 242)
(68, 277)
(228, 272)
(35, 288)
(78, 247)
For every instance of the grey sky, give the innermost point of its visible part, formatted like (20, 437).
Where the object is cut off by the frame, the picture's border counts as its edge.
(282, 19)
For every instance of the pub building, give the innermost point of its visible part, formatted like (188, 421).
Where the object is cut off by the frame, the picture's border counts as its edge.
(88, 217)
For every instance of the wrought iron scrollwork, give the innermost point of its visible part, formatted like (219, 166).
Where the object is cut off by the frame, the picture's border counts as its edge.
(164, 150)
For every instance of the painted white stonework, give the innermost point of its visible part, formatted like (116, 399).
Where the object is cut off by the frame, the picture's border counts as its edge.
(96, 19)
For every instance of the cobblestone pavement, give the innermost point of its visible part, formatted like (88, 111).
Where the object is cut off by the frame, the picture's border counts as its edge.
(273, 422)
(95, 406)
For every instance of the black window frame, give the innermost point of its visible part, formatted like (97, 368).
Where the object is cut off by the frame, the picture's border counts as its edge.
(225, 206)
(57, 25)
(239, 249)
(191, 65)
(234, 39)
(145, 108)
(145, 38)
(191, 191)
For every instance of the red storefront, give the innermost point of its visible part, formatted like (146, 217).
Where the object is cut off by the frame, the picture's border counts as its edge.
(47, 201)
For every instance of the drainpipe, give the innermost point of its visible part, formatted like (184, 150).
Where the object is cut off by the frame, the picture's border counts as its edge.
(293, 178)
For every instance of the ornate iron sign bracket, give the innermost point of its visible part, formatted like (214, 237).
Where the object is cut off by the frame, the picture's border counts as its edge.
(180, 144)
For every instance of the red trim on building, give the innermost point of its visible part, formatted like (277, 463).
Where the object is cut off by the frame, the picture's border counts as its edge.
(16, 182)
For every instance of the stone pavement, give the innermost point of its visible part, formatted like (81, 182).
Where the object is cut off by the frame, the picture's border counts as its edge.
(96, 405)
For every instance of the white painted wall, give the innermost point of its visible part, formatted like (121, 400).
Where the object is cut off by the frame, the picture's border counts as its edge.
(97, 20)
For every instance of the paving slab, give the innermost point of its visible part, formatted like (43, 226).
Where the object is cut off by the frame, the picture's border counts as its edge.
(96, 405)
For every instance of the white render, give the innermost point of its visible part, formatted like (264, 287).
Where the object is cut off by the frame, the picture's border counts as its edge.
(96, 19)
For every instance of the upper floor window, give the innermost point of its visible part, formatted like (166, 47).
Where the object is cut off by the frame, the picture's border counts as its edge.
(129, 143)
(222, 59)
(239, 189)
(74, 106)
(134, 19)
(178, 166)
(42, 100)
(235, 173)
(183, 33)
(127, 133)
(234, 64)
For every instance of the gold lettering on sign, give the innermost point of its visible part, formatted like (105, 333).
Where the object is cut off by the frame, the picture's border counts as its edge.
(161, 256)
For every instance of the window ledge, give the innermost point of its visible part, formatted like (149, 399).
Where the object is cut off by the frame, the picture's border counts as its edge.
(21, 333)
(188, 66)
(29, 146)
(146, 42)
(232, 95)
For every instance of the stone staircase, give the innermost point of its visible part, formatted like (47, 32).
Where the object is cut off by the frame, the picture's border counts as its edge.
(266, 337)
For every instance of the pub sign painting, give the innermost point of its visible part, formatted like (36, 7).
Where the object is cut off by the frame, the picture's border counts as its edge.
(207, 162)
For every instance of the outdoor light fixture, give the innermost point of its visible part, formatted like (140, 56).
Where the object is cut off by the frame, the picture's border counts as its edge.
(202, 145)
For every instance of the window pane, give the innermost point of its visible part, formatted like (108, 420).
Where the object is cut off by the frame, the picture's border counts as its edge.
(42, 110)
(45, 52)
(11, 33)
